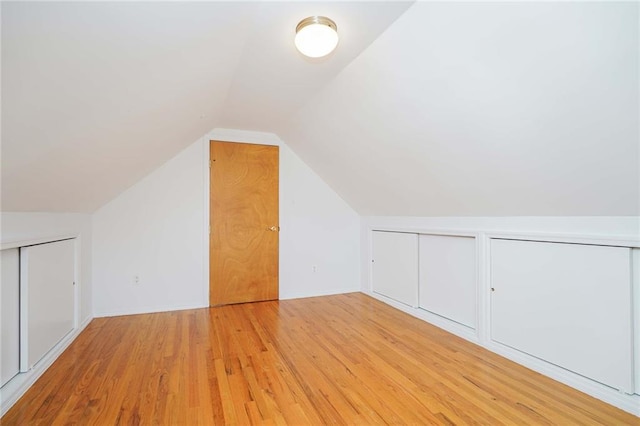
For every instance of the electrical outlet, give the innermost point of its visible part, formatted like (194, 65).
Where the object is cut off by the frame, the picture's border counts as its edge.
(135, 280)
(314, 268)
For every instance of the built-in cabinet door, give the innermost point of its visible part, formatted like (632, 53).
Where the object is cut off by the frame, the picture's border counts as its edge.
(47, 296)
(568, 304)
(448, 277)
(395, 266)
(10, 315)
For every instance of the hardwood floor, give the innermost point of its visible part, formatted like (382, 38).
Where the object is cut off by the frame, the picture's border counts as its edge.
(345, 359)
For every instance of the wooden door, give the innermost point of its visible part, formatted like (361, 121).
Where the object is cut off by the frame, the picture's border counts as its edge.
(243, 243)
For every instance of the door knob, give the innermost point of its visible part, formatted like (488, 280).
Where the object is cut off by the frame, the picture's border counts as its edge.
(274, 228)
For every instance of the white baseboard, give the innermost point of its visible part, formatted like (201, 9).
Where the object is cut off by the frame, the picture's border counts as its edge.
(156, 309)
(321, 293)
(149, 310)
(13, 390)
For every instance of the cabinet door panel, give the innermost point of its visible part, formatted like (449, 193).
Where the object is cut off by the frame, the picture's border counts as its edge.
(10, 315)
(47, 297)
(448, 277)
(395, 266)
(568, 304)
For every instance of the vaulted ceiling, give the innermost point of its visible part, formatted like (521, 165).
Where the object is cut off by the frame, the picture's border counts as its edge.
(95, 95)
(424, 109)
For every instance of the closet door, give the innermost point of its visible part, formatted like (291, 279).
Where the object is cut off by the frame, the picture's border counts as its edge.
(47, 298)
(10, 315)
(568, 304)
(395, 266)
(448, 277)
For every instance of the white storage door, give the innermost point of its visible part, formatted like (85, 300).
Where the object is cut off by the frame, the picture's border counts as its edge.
(448, 277)
(395, 266)
(568, 304)
(10, 315)
(47, 298)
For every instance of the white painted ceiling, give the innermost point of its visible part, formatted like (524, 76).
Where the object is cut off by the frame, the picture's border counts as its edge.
(429, 109)
(97, 95)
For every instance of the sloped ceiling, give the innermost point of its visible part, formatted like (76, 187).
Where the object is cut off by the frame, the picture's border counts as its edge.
(430, 109)
(485, 109)
(95, 95)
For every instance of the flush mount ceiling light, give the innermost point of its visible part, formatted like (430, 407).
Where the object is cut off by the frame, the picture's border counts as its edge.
(316, 36)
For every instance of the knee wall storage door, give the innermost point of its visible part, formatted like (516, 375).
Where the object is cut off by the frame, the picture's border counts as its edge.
(448, 277)
(567, 304)
(47, 298)
(395, 266)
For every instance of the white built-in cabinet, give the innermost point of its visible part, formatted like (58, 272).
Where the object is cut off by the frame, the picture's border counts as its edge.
(448, 283)
(561, 305)
(568, 304)
(38, 302)
(395, 266)
(47, 298)
(436, 273)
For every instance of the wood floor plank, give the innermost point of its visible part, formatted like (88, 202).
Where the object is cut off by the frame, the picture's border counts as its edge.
(346, 359)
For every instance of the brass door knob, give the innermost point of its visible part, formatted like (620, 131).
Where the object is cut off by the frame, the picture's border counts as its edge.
(274, 228)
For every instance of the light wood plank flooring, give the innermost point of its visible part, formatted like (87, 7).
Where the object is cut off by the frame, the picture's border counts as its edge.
(345, 359)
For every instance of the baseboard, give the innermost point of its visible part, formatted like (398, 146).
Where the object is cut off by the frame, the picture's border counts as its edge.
(12, 391)
(321, 293)
(148, 310)
(156, 309)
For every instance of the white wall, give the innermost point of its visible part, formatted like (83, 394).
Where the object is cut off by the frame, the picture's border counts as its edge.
(158, 230)
(318, 229)
(153, 231)
(19, 228)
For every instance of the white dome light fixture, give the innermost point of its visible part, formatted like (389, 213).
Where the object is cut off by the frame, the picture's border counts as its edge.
(316, 36)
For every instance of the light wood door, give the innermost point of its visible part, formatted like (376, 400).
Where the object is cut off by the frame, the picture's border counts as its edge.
(243, 251)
